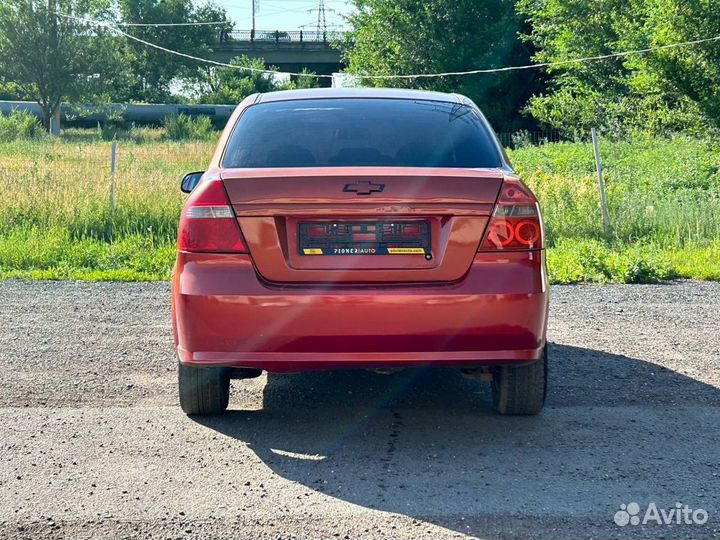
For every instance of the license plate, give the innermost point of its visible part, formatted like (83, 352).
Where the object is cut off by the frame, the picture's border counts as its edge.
(364, 238)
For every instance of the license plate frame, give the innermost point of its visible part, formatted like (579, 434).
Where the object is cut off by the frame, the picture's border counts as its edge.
(364, 238)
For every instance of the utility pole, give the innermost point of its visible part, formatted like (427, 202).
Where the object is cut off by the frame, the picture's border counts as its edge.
(255, 7)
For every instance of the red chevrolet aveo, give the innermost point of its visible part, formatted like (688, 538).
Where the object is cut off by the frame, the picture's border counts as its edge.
(359, 228)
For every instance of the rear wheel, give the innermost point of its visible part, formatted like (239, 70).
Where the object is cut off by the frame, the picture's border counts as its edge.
(520, 390)
(203, 390)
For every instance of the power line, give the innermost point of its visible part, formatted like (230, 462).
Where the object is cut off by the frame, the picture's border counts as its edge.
(209, 23)
(278, 10)
(183, 55)
(392, 77)
(546, 64)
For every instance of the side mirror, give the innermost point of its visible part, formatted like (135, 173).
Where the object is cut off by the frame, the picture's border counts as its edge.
(190, 180)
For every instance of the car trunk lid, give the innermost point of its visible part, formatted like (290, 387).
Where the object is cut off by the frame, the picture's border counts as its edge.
(431, 219)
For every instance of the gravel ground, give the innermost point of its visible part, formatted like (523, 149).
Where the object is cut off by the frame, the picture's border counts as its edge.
(94, 445)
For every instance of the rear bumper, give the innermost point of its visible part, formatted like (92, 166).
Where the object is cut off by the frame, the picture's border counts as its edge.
(224, 315)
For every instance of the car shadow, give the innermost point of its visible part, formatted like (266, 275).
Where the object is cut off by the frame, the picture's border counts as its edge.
(426, 444)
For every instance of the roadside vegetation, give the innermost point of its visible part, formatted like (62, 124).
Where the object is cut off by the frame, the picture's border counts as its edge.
(55, 221)
(664, 206)
(663, 181)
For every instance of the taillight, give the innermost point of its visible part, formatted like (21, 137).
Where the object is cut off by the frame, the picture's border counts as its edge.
(515, 223)
(208, 222)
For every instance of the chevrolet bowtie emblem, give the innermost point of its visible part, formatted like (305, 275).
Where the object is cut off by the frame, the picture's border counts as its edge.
(364, 188)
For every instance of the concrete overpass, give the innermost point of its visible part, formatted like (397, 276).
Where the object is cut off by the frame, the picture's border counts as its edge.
(287, 50)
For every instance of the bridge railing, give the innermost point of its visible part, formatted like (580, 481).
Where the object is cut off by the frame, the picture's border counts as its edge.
(278, 36)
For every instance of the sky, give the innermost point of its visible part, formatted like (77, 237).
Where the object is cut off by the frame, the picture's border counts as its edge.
(285, 14)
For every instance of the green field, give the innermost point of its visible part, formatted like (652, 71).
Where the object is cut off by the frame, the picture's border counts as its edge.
(664, 198)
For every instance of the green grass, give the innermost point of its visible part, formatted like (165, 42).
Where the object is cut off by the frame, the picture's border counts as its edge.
(55, 254)
(664, 199)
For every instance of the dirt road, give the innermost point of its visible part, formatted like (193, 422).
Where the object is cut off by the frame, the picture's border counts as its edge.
(93, 445)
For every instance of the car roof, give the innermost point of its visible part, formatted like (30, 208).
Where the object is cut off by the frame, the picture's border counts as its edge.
(377, 93)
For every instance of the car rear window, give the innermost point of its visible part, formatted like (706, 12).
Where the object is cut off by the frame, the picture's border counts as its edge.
(360, 132)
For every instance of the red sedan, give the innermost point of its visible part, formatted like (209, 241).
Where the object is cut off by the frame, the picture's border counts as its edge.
(359, 228)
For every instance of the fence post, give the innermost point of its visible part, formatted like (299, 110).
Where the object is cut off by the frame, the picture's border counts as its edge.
(111, 199)
(603, 196)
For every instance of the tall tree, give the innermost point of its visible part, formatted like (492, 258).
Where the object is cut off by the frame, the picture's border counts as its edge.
(391, 37)
(692, 72)
(155, 71)
(51, 57)
(659, 92)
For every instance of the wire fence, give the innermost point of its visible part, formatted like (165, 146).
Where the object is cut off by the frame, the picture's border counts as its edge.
(70, 185)
(101, 189)
(92, 192)
(522, 138)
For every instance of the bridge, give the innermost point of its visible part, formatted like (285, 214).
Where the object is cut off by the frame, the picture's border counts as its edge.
(287, 50)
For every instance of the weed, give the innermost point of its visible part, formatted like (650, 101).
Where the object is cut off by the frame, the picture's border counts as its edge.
(182, 127)
(20, 125)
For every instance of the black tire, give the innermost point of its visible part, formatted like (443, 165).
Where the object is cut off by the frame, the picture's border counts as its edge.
(203, 390)
(520, 390)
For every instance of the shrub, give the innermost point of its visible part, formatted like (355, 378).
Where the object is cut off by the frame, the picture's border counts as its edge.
(114, 126)
(20, 125)
(182, 127)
